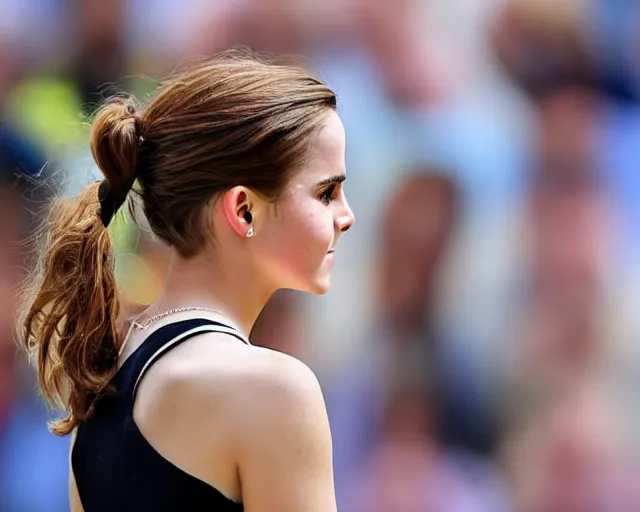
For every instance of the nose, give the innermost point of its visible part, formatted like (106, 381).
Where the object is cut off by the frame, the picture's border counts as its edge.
(346, 219)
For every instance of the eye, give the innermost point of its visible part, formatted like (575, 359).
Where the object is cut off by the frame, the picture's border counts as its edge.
(327, 195)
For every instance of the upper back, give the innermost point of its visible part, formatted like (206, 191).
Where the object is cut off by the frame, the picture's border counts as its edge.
(210, 414)
(126, 456)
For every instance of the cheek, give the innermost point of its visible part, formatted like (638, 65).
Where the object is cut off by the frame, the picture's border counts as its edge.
(310, 234)
(303, 237)
(318, 228)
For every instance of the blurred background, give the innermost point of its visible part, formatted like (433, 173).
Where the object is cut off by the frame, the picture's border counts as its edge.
(479, 348)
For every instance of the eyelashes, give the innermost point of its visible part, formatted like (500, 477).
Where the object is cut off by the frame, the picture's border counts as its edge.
(327, 196)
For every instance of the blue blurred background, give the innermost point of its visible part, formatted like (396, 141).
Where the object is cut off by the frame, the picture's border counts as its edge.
(479, 348)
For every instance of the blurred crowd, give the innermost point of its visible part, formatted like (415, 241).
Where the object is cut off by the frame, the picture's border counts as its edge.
(479, 349)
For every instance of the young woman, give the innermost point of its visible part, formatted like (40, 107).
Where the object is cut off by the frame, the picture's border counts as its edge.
(240, 163)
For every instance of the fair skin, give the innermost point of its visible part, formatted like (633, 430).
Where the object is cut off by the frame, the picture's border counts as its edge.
(249, 421)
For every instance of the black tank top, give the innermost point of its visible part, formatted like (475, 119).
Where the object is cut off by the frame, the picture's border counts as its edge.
(115, 467)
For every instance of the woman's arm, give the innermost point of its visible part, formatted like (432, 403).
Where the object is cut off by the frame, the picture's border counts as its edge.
(284, 442)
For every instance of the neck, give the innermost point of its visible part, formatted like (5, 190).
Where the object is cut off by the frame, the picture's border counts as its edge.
(224, 286)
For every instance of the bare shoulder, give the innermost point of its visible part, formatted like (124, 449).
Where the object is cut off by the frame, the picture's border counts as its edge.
(252, 395)
(277, 372)
(281, 436)
(252, 383)
(215, 368)
(256, 411)
(277, 382)
(278, 400)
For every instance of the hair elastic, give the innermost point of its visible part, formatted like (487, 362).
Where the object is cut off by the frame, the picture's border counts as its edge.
(110, 203)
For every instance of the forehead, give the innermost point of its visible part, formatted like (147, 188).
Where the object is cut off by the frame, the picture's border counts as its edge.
(327, 151)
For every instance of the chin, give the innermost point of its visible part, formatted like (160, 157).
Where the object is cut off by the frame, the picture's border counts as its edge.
(321, 290)
(317, 283)
(320, 286)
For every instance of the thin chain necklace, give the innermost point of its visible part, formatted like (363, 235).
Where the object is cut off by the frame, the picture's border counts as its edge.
(155, 318)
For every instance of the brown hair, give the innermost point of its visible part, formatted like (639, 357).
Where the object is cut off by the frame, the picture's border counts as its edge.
(236, 119)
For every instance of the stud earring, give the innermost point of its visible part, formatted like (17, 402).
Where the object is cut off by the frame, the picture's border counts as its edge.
(249, 219)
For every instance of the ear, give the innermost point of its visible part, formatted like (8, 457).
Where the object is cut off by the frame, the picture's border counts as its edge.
(235, 203)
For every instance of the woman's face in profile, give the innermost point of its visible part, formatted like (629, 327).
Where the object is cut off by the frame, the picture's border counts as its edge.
(297, 237)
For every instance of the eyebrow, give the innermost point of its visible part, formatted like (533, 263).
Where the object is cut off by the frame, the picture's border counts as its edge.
(338, 178)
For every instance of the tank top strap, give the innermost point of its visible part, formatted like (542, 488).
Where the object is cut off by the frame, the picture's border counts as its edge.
(159, 343)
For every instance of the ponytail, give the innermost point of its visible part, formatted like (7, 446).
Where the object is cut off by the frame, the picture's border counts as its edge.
(70, 325)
